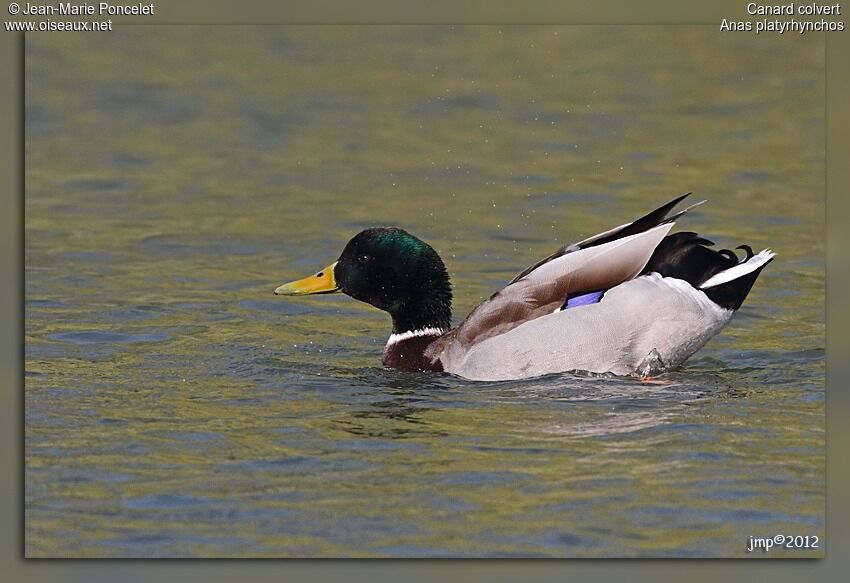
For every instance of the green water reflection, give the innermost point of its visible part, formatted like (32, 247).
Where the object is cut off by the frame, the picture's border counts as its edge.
(176, 175)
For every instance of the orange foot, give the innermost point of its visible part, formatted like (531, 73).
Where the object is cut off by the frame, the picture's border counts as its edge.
(656, 381)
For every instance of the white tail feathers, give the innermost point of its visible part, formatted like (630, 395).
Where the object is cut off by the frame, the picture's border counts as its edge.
(755, 262)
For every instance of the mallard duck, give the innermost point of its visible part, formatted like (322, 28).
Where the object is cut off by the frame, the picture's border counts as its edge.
(634, 300)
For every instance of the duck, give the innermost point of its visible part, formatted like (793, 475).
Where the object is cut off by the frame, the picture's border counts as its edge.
(634, 300)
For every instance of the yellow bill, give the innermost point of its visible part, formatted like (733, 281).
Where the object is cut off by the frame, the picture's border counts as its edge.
(320, 283)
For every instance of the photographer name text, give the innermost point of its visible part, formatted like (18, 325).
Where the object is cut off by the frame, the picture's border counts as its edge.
(99, 9)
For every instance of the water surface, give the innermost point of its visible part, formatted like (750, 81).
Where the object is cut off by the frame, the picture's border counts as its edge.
(176, 175)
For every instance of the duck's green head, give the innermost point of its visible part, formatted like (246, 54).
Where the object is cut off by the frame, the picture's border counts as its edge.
(392, 270)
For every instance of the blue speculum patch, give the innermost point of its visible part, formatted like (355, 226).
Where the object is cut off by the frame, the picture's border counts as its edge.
(583, 300)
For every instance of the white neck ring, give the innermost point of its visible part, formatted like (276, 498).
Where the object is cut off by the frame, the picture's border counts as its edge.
(414, 334)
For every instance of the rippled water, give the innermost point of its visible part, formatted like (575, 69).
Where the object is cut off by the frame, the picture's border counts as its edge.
(176, 175)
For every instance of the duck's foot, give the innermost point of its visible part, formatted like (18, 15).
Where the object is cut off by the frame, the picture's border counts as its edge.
(650, 367)
(656, 381)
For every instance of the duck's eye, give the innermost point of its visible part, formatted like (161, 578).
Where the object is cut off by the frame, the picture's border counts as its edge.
(364, 258)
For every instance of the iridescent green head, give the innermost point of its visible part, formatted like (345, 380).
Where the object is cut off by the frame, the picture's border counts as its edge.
(392, 270)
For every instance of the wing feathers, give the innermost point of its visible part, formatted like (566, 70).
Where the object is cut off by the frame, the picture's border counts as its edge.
(546, 288)
(602, 266)
(657, 217)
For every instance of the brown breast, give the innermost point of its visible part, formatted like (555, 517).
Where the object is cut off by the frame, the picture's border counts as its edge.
(410, 354)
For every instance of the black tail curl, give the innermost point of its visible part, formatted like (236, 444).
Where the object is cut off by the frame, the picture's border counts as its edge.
(687, 256)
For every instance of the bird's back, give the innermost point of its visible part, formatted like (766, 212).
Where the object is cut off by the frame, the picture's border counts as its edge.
(616, 335)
